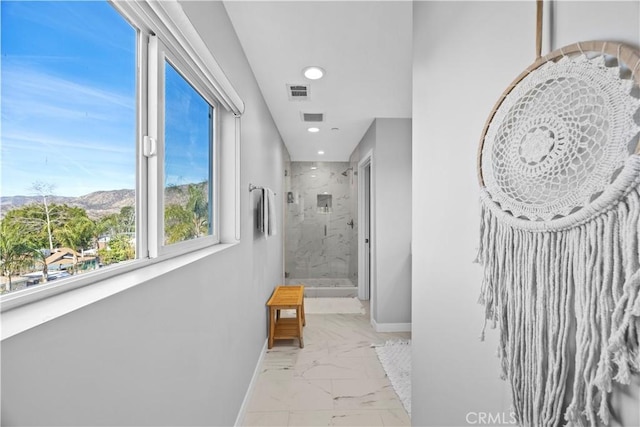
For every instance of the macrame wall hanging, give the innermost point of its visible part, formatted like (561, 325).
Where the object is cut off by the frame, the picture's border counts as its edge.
(559, 169)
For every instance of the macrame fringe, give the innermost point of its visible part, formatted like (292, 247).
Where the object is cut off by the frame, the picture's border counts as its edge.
(567, 304)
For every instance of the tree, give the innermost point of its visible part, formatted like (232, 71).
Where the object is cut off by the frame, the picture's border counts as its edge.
(40, 257)
(127, 220)
(189, 221)
(119, 249)
(32, 220)
(119, 228)
(123, 222)
(44, 189)
(75, 234)
(14, 251)
(100, 228)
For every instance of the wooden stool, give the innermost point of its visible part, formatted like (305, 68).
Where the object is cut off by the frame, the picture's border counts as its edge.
(283, 298)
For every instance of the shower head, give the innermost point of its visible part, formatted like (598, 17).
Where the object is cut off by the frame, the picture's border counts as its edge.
(347, 171)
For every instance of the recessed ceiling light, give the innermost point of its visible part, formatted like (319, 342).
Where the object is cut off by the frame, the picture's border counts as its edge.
(313, 168)
(313, 73)
(313, 176)
(314, 130)
(321, 152)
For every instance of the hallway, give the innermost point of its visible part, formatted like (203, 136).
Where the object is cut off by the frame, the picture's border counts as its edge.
(162, 120)
(336, 379)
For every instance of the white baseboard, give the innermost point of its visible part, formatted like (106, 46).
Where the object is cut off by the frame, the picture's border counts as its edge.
(245, 402)
(390, 327)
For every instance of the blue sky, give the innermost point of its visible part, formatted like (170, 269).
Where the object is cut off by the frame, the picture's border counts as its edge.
(186, 131)
(68, 97)
(68, 102)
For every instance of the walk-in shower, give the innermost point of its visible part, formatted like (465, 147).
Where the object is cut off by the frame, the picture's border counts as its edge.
(320, 232)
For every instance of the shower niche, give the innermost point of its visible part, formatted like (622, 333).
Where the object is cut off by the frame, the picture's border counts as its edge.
(323, 204)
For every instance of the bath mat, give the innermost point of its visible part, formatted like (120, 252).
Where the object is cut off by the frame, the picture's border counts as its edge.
(329, 306)
(395, 357)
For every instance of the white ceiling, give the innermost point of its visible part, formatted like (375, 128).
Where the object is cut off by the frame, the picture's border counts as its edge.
(365, 48)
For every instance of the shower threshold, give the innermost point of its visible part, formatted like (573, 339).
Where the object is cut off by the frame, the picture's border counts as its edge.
(326, 287)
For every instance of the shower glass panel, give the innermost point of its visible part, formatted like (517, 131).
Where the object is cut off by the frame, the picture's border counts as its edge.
(319, 228)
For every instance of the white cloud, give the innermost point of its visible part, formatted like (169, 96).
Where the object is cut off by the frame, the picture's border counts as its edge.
(24, 88)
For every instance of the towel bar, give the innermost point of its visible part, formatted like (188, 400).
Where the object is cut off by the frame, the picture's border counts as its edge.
(254, 187)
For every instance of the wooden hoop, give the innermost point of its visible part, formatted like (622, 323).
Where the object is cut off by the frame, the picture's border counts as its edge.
(625, 54)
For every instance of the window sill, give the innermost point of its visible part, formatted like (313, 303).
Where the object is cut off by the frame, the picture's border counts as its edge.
(25, 311)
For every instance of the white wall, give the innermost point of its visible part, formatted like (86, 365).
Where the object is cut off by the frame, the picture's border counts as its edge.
(465, 55)
(390, 140)
(392, 162)
(179, 350)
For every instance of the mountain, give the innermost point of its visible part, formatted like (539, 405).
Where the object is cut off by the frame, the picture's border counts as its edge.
(97, 204)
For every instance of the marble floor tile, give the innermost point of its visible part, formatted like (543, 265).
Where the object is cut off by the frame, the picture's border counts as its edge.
(336, 418)
(395, 417)
(310, 395)
(273, 418)
(312, 351)
(332, 368)
(310, 418)
(336, 379)
(276, 371)
(371, 393)
(269, 395)
(291, 394)
(352, 349)
(357, 418)
(374, 368)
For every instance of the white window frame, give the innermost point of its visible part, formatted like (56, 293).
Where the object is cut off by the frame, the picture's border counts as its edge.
(167, 23)
(158, 56)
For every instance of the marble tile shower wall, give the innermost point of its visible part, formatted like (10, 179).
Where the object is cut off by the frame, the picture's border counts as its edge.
(318, 239)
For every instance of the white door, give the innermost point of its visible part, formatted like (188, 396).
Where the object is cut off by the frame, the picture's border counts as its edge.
(366, 262)
(367, 232)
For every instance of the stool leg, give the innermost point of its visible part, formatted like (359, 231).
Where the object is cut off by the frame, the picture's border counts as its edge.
(299, 319)
(272, 326)
(304, 318)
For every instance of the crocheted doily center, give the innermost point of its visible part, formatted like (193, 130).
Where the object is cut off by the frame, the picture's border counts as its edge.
(558, 138)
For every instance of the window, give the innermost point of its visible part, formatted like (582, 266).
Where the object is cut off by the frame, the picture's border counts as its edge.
(111, 140)
(188, 153)
(68, 141)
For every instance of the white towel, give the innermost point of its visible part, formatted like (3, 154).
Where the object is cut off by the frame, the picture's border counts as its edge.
(267, 212)
(271, 212)
(260, 211)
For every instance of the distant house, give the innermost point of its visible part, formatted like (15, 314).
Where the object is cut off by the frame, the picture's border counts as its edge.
(62, 259)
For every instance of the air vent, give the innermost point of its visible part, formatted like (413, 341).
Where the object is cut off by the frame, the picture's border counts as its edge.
(298, 92)
(312, 117)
